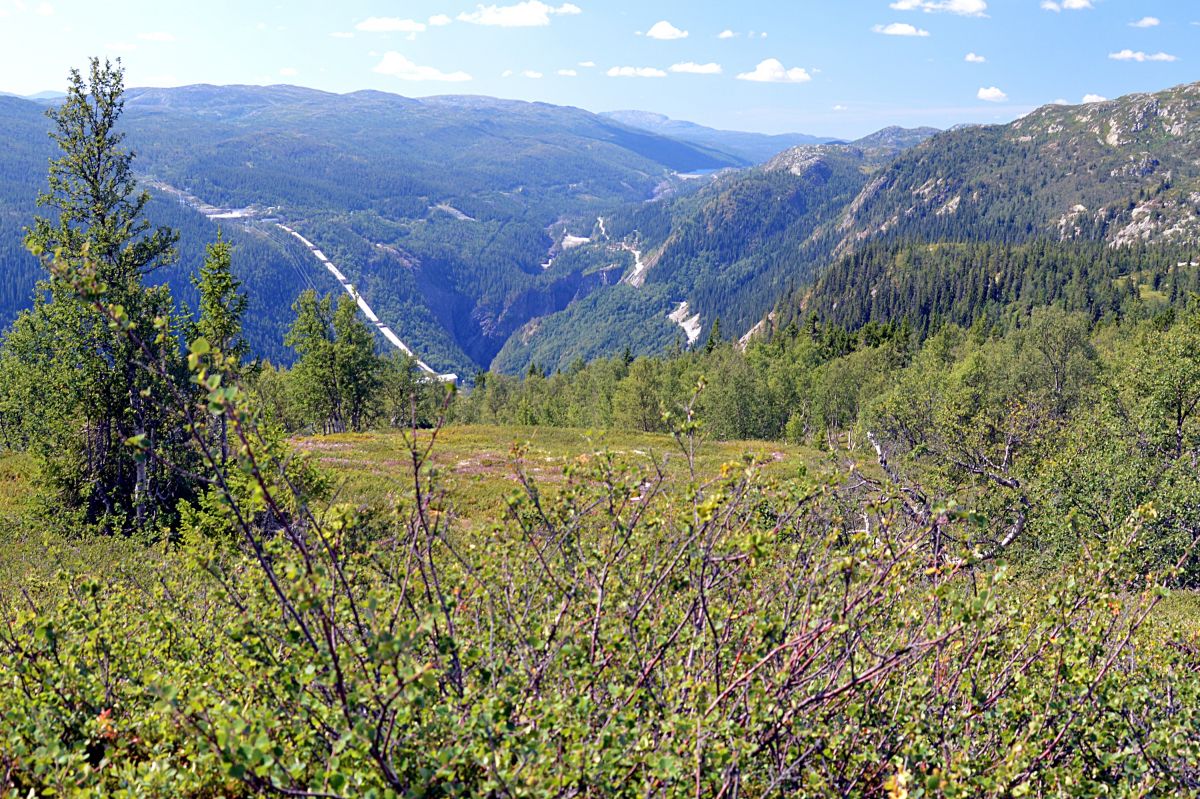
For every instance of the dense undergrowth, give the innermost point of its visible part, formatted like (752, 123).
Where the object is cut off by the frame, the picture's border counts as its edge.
(635, 635)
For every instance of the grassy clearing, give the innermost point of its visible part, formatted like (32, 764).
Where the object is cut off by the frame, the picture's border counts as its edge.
(479, 464)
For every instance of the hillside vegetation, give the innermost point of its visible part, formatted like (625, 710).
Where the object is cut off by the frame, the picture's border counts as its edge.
(1121, 171)
(494, 234)
(893, 558)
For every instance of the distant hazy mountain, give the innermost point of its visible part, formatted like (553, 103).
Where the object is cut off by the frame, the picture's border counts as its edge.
(896, 138)
(755, 148)
(868, 153)
(38, 97)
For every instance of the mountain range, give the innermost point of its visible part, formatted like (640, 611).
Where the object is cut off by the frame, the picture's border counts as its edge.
(501, 234)
(754, 148)
(846, 231)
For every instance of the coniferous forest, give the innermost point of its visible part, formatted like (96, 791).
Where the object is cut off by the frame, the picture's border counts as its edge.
(930, 528)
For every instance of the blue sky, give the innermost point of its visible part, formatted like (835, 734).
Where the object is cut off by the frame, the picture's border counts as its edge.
(831, 67)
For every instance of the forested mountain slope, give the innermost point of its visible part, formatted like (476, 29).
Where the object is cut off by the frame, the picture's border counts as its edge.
(728, 249)
(964, 282)
(1120, 171)
(500, 234)
(22, 175)
(442, 211)
(1081, 206)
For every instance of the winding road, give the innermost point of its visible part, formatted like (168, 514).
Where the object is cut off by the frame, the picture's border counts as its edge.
(366, 309)
(247, 214)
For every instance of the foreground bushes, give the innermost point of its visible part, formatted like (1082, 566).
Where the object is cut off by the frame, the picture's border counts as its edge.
(631, 636)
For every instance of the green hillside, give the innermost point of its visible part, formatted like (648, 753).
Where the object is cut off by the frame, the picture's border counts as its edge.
(1121, 171)
(729, 248)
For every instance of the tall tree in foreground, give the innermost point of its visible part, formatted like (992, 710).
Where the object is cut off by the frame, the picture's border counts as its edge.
(338, 375)
(219, 323)
(108, 439)
(222, 305)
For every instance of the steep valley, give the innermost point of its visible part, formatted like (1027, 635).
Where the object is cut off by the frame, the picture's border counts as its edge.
(496, 234)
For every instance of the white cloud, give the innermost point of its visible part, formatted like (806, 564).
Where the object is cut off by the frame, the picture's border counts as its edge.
(665, 31)
(157, 36)
(390, 25)
(45, 10)
(840, 108)
(508, 73)
(1146, 22)
(692, 68)
(527, 14)
(439, 20)
(975, 58)
(398, 66)
(531, 73)
(992, 95)
(773, 71)
(1139, 56)
(635, 72)
(342, 35)
(588, 64)
(1093, 98)
(568, 73)
(966, 8)
(1066, 5)
(900, 29)
(726, 34)
(289, 72)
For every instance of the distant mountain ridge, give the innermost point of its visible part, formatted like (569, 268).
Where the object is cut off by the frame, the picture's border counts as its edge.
(36, 96)
(755, 148)
(1120, 171)
(896, 138)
